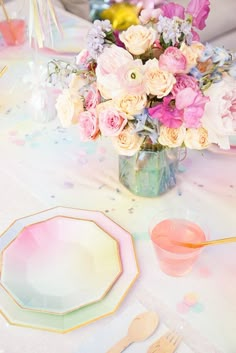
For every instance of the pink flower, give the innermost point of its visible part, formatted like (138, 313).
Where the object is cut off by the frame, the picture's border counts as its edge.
(199, 9)
(172, 9)
(131, 77)
(93, 97)
(193, 104)
(167, 113)
(172, 60)
(88, 125)
(183, 81)
(83, 58)
(112, 122)
(150, 15)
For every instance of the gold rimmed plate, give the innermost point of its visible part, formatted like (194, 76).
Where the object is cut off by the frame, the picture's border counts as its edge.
(65, 322)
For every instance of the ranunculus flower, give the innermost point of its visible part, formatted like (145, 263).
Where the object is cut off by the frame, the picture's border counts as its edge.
(112, 122)
(183, 81)
(199, 9)
(108, 63)
(128, 142)
(220, 112)
(68, 106)
(138, 39)
(158, 82)
(173, 60)
(167, 113)
(196, 138)
(172, 9)
(93, 97)
(131, 104)
(193, 104)
(131, 78)
(172, 137)
(88, 125)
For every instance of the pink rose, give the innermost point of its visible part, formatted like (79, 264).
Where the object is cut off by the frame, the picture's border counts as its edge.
(93, 97)
(193, 104)
(199, 9)
(183, 81)
(172, 9)
(83, 58)
(112, 122)
(88, 125)
(172, 60)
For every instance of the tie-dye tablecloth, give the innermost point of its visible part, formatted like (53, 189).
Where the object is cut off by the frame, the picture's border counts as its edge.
(43, 165)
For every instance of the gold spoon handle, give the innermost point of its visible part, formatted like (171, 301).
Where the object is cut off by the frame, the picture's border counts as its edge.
(206, 243)
(4, 10)
(121, 345)
(3, 70)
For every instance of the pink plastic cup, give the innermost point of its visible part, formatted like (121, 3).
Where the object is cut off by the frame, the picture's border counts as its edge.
(13, 31)
(176, 260)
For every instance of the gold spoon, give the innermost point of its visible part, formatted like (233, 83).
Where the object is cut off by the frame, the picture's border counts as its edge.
(3, 70)
(204, 243)
(140, 329)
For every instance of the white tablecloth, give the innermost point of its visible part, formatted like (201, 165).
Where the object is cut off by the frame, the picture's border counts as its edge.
(43, 166)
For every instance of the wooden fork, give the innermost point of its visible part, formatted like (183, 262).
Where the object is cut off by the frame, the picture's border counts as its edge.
(166, 343)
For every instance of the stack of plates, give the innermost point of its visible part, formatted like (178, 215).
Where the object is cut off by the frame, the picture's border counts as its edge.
(64, 268)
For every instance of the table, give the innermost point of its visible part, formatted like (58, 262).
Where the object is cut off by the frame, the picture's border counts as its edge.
(43, 166)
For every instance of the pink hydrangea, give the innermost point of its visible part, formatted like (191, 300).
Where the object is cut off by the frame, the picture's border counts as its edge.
(173, 60)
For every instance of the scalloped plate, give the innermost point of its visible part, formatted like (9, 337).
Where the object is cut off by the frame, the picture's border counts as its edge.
(86, 314)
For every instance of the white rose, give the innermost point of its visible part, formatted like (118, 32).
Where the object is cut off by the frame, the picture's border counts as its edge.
(219, 117)
(138, 39)
(131, 104)
(192, 53)
(158, 82)
(77, 82)
(196, 138)
(68, 107)
(127, 143)
(172, 137)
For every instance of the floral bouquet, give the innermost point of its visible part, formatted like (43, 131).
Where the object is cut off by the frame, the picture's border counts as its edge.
(155, 86)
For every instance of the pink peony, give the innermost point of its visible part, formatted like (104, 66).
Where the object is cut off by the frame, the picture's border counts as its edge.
(199, 9)
(112, 122)
(172, 9)
(183, 81)
(172, 60)
(193, 104)
(93, 98)
(88, 125)
(167, 113)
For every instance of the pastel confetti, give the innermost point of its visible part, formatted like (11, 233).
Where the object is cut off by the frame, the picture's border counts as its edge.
(204, 272)
(182, 308)
(197, 308)
(190, 299)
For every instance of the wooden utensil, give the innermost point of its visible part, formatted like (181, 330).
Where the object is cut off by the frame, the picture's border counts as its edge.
(140, 329)
(4, 11)
(205, 243)
(166, 343)
(3, 70)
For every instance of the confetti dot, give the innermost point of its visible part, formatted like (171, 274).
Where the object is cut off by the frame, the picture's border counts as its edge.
(197, 308)
(190, 299)
(204, 272)
(182, 308)
(68, 185)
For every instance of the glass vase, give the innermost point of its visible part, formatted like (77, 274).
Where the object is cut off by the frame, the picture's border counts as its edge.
(149, 173)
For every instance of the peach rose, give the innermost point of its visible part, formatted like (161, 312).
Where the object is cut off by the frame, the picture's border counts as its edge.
(192, 53)
(138, 39)
(196, 138)
(69, 105)
(172, 137)
(131, 104)
(127, 143)
(158, 82)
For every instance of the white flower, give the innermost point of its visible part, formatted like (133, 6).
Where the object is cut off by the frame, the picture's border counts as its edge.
(196, 138)
(138, 39)
(219, 118)
(127, 143)
(172, 137)
(158, 82)
(131, 104)
(68, 107)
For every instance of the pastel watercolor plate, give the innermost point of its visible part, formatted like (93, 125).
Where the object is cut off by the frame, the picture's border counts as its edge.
(60, 265)
(67, 314)
(215, 149)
